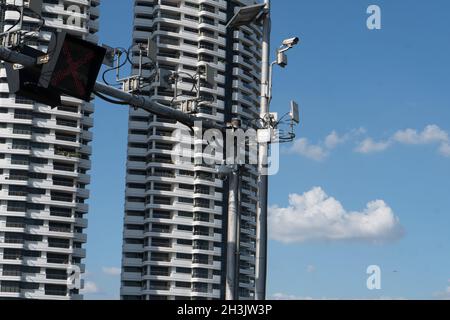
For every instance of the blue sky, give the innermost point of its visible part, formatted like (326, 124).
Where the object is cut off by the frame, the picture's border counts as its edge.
(368, 87)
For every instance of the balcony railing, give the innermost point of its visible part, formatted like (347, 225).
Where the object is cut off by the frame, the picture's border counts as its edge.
(202, 247)
(68, 109)
(16, 209)
(20, 162)
(201, 261)
(66, 123)
(205, 177)
(59, 229)
(56, 276)
(164, 174)
(21, 147)
(66, 138)
(59, 245)
(62, 214)
(160, 273)
(62, 199)
(18, 193)
(163, 202)
(200, 204)
(201, 275)
(161, 244)
(23, 116)
(14, 241)
(55, 292)
(202, 233)
(63, 183)
(18, 177)
(67, 154)
(12, 257)
(57, 261)
(159, 259)
(203, 191)
(10, 289)
(63, 168)
(19, 131)
(165, 288)
(11, 273)
(159, 230)
(15, 225)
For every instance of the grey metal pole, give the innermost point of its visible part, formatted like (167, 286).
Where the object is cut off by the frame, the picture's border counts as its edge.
(16, 57)
(230, 289)
(263, 181)
(152, 106)
(238, 232)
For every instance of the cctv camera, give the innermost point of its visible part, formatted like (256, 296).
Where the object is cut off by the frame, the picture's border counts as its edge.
(291, 42)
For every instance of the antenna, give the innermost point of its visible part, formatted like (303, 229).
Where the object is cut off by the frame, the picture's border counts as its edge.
(295, 114)
(152, 50)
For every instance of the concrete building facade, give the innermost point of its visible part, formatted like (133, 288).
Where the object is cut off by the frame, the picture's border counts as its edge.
(175, 222)
(44, 170)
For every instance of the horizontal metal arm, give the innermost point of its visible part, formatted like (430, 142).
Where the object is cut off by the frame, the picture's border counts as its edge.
(16, 57)
(137, 101)
(152, 106)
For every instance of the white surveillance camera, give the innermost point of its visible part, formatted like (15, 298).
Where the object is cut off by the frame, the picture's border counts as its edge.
(291, 42)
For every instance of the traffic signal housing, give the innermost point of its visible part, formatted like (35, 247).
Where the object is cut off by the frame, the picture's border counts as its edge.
(24, 81)
(73, 66)
(70, 66)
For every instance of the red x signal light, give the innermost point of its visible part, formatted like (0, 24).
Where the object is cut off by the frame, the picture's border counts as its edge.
(73, 66)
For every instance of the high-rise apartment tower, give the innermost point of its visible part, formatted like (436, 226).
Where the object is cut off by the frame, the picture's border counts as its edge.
(44, 163)
(175, 223)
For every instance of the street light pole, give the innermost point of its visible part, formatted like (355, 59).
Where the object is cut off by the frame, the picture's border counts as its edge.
(263, 181)
(234, 235)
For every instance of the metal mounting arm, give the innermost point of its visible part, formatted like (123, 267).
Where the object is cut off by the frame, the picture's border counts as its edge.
(137, 101)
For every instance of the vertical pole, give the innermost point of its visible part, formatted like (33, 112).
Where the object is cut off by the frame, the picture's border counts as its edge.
(230, 291)
(261, 212)
(238, 231)
(140, 63)
(22, 11)
(199, 83)
(228, 116)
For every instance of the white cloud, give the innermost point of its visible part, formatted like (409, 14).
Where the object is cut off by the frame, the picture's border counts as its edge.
(90, 287)
(444, 295)
(314, 216)
(111, 271)
(444, 149)
(333, 140)
(371, 146)
(283, 296)
(304, 148)
(431, 134)
(321, 150)
(311, 269)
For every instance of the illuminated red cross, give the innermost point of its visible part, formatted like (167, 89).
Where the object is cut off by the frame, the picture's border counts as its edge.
(72, 70)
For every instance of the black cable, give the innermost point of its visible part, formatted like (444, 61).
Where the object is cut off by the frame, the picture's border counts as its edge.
(128, 51)
(101, 96)
(115, 68)
(8, 7)
(131, 54)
